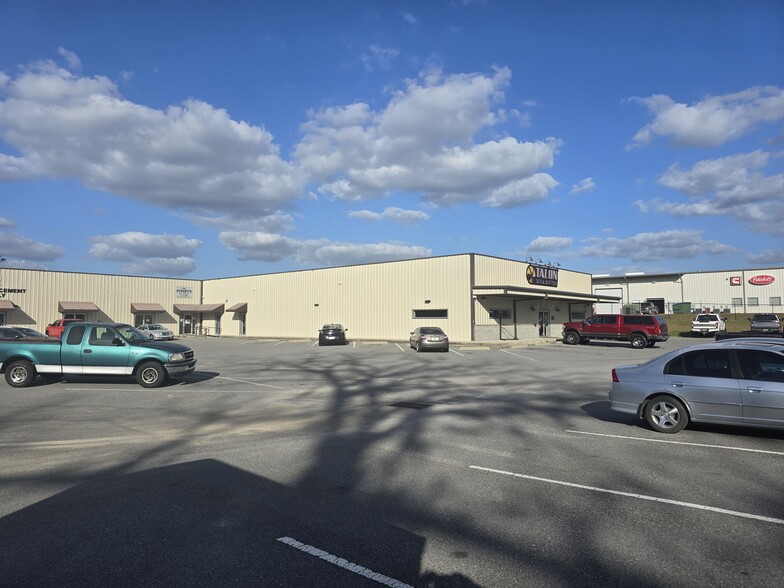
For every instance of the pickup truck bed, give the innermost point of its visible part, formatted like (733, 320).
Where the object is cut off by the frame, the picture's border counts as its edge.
(95, 349)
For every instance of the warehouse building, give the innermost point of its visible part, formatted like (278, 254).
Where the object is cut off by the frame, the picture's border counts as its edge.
(472, 297)
(727, 291)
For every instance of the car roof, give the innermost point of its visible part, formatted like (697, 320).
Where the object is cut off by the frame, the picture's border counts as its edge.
(776, 344)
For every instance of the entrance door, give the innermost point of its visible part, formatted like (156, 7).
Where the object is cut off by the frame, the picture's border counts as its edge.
(187, 324)
(544, 323)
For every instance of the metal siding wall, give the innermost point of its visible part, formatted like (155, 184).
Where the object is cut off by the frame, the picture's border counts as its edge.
(493, 271)
(112, 294)
(373, 301)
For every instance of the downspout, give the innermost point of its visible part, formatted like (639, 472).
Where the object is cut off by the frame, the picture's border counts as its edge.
(471, 279)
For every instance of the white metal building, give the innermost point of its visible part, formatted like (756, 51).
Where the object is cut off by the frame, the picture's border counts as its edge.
(472, 297)
(741, 291)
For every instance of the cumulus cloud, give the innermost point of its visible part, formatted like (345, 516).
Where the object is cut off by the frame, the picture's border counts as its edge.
(713, 121)
(377, 57)
(23, 249)
(190, 156)
(768, 256)
(269, 247)
(393, 213)
(731, 186)
(548, 244)
(143, 253)
(6, 223)
(423, 142)
(71, 58)
(660, 246)
(585, 185)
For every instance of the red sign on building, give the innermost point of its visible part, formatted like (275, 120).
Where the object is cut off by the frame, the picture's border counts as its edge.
(735, 280)
(761, 280)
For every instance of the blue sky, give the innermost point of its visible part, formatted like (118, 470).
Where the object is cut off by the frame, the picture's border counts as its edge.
(204, 139)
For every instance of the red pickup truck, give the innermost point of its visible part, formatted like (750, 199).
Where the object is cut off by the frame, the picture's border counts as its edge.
(641, 330)
(56, 328)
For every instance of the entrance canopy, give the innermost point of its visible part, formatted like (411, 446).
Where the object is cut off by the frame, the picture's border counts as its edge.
(522, 293)
(239, 307)
(194, 308)
(139, 307)
(6, 305)
(76, 307)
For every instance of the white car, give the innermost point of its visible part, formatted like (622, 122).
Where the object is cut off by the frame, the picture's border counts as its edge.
(157, 332)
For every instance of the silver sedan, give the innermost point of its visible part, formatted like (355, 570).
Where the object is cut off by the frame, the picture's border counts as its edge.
(424, 338)
(157, 332)
(735, 382)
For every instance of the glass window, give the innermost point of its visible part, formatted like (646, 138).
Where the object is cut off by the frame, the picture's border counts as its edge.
(713, 363)
(431, 313)
(75, 336)
(775, 300)
(753, 301)
(761, 365)
(737, 302)
(101, 336)
(75, 315)
(500, 313)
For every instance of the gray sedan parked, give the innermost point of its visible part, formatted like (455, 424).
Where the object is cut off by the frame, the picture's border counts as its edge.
(735, 381)
(424, 338)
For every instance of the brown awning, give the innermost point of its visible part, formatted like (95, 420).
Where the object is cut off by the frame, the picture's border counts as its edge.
(76, 307)
(188, 308)
(142, 307)
(239, 307)
(6, 305)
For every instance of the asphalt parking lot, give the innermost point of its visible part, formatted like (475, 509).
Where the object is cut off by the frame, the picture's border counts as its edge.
(282, 463)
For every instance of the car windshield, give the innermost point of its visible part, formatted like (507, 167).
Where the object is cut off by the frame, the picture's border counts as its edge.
(431, 331)
(764, 317)
(130, 333)
(332, 327)
(155, 327)
(707, 318)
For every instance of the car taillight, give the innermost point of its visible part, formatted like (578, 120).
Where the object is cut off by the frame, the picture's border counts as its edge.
(615, 377)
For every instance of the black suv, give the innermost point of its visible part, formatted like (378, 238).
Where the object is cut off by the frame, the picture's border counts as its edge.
(332, 335)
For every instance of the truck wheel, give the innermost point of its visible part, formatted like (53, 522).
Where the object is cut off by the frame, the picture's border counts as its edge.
(571, 338)
(151, 375)
(20, 373)
(638, 341)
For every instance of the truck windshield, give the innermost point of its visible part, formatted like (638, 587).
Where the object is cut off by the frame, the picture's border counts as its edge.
(129, 333)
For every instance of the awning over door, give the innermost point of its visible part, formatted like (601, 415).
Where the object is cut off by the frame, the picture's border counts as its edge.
(137, 307)
(524, 293)
(239, 307)
(6, 305)
(194, 308)
(76, 307)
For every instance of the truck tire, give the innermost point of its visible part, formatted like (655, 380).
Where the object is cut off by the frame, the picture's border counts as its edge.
(571, 337)
(151, 374)
(638, 341)
(20, 373)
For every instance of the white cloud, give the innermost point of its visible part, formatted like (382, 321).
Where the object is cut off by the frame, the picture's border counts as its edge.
(23, 248)
(423, 143)
(547, 245)
(584, 185)
(769, 256)
(6, 223)
(393, 213)
(143, 253)
(192, 156)
(269, 247)
(664, 245)
(71, 58)
(378, 57)
(712, 121)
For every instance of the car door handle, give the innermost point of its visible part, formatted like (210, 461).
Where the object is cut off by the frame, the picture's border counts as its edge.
(677, 384)
(87, 351)
(754, 390)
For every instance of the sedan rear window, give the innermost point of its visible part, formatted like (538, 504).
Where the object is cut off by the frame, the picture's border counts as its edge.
(713, 363)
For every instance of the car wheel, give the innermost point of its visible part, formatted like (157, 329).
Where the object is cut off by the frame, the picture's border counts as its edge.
(20, 373)
(571, 338)
(666, 414)
(651, 343)
(639, 341)
(151, 375)
(418, 348)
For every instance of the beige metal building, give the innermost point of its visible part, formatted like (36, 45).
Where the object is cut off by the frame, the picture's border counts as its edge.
(472, 297)
(741, 291)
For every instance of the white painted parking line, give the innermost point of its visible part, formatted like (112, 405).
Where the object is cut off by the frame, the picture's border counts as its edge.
(734, 513)
(518, 355)
(345, 564)
(399, 347)
(279, 343)
(247, 382)
(453, 351)
(314, 343)
(730, 448)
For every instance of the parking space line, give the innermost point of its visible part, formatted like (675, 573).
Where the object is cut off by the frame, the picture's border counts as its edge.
(345, 564)
(715, 509)
(399, 347)
(518, 355)
(247, 382)
(279, 343)
(314, 343)
(453, 351)
(678, 442)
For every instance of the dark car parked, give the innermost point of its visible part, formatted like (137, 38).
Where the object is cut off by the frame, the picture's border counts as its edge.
(332, 334)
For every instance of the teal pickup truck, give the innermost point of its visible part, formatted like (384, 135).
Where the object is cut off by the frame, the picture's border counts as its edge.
(100, 349)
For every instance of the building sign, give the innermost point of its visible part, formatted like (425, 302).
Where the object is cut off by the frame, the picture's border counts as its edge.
(736, 281)
(184, 292)
(761, 280)
(539, 275)
(4, 291)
